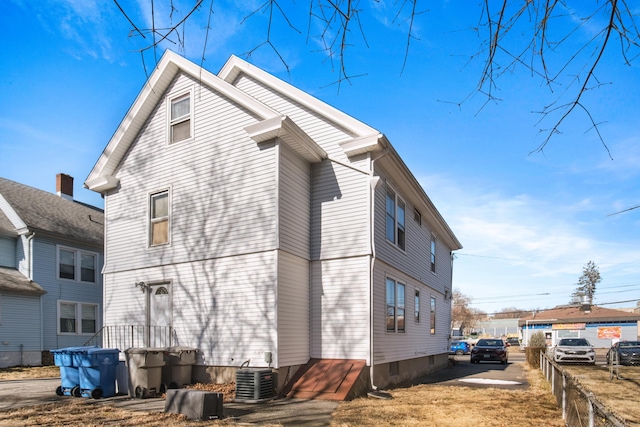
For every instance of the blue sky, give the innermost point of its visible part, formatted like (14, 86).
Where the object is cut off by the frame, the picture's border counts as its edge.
(528, 222)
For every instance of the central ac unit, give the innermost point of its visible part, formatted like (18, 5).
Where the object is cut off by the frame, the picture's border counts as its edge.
(254, 385)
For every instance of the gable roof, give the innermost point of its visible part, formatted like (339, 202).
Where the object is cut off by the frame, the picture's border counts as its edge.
(11, 280)
(575, 314)
(362, 138)
(101, 177)
(29, 209)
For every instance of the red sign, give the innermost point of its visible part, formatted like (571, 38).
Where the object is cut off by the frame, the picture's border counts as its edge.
(610, 332)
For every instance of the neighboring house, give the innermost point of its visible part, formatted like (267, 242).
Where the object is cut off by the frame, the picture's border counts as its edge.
(50, 262)
(265, 227)
(599, 325)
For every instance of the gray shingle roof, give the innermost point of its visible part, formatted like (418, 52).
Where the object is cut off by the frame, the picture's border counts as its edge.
(5, 225)
(44, 211)
(11, 280)
(575, 314)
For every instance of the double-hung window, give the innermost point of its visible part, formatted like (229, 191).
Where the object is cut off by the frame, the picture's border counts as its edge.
(395, 228)
(77, 317)
(395, 298)
(433, 253)
(180, 118)
(433, 315)
(159, 224)
(77, 265)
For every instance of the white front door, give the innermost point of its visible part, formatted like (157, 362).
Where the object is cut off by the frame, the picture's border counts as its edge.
(159, 315)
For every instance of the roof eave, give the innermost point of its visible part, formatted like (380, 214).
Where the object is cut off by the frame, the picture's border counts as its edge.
(285, 129)
(168, 67)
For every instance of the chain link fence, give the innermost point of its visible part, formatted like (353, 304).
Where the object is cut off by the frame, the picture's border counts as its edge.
(580, 408)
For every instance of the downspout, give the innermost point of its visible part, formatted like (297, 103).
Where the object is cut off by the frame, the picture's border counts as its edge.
(30, 254)
(374, 181)
(30, 272)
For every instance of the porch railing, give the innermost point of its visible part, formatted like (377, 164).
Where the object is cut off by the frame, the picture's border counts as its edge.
(123, 337)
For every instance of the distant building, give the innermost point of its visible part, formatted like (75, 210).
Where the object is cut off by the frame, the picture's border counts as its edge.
(598, 325)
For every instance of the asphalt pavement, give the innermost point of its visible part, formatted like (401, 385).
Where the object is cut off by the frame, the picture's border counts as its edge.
(483, 374)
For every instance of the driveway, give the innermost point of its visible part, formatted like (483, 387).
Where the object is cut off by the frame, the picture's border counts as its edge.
(484, 374)
(19, 393)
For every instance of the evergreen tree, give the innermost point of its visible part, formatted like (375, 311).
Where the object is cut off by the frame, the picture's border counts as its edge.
(587, 284)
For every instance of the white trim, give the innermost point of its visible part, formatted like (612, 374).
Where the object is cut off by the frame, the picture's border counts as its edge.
(101, 178)
(77, 256)
(284, 128)
(150, 194)
(169, 102)
(397, 198)
(236, 66)
(78, 319)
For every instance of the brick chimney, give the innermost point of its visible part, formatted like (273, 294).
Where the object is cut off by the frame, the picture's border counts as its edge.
(64, 186)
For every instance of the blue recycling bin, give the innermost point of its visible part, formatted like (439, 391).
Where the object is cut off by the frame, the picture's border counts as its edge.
(69, 372)
(97, 369)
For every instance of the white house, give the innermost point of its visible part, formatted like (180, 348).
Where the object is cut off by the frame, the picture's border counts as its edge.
(50, 281)
(262, 226)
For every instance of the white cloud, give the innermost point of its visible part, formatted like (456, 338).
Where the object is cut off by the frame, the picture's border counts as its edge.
(517, 244)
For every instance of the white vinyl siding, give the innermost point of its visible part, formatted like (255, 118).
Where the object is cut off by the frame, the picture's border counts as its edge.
(294, 202)
(328, 135)
(226, 307)
(417, 340)
(293, 310)
(223, 189)
(339, 211)
(415, 259)
(340, 308)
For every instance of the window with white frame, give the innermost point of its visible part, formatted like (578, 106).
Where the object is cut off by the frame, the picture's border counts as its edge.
(416, 304)
(180, 118)
(159, 218)
(433, 253)
(77, 318)
(395, 227)
(433, 315)
(77, 265)
(395, 298)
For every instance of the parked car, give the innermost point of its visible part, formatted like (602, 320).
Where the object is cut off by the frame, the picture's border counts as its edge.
(628, 352)
(574, 350)
(459, 347)
(490, 350)
(513, 341)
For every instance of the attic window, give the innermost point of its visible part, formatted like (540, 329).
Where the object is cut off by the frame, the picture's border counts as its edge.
(180, 118)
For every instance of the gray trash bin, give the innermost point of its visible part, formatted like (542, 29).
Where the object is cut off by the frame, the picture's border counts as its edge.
(179, 362)
(145, 371)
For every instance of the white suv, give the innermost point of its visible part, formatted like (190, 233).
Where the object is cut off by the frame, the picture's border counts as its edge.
(574, 350)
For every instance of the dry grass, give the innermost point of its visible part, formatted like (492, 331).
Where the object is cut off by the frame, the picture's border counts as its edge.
(443, 406)
(621, 396)
(423, 405)
(21, 372)
(84, 412)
